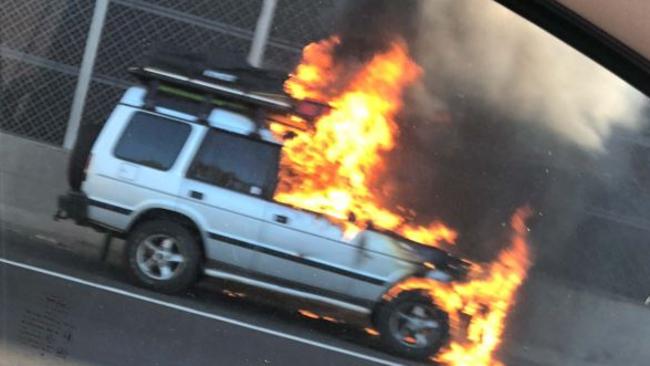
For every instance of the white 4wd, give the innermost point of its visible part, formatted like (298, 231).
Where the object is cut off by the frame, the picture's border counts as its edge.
(193, 196)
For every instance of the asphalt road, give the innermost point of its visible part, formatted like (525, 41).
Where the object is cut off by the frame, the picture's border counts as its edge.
(60, 305)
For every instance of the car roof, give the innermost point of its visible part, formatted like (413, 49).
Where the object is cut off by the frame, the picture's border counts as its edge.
(218, 118)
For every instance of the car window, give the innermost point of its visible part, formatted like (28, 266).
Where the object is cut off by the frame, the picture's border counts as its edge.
(152, 140)
(237, 162)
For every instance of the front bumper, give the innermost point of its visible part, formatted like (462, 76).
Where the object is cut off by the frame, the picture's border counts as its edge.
(73, 206)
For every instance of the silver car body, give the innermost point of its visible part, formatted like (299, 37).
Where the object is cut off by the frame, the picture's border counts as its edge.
(304, 255)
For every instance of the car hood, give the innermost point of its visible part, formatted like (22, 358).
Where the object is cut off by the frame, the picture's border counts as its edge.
(395, 245)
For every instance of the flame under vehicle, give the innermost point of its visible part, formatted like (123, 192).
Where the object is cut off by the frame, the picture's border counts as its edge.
(184, 170)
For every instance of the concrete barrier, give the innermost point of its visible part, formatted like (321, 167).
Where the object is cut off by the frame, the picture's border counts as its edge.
(32, 175)
(564, 325)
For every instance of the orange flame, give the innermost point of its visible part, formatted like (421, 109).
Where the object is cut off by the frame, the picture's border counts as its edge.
(486, 299)
(371, 331)
(331, 168)
(308, 314)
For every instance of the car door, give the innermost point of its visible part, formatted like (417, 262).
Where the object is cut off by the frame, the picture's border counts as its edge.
(386, 257)
(134, 165)
(307, 250)
(224, 190)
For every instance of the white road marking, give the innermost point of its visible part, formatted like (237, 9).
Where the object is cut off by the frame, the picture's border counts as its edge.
(197, 312)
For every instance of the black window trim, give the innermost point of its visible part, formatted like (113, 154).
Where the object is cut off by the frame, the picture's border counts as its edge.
(586, 38)
(139, 112)
(276, 145)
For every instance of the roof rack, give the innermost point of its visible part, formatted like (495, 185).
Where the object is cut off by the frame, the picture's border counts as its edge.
(207, 91)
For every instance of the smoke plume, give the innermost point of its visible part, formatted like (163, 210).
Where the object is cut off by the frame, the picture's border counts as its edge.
(505, 114)
(521, 72)
(368, 26)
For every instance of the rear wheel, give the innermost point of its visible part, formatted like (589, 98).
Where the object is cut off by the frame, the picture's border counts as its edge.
(163, 255)
(412, 326)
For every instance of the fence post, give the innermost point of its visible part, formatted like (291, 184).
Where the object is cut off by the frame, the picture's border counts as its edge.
(85, 72)
(262, 30)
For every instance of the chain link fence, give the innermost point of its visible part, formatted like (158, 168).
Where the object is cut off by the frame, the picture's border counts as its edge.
(42, 44)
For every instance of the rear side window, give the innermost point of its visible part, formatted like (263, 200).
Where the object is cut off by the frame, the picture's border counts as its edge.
(238, 163)
(152, 140)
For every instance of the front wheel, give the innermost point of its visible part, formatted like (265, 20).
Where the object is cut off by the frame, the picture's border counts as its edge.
(163, 255)
(412, 326)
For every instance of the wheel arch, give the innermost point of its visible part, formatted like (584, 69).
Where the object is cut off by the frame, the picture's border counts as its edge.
(385, 298)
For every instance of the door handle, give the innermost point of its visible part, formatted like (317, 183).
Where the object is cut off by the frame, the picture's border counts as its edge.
(281, 219)
(196, 195)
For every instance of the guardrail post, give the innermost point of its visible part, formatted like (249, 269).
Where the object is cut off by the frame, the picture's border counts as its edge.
(85, 72)
(262, 30)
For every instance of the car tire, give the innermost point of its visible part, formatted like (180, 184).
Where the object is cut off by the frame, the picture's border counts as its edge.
(79, 155)
(388, 321)
(155, 245)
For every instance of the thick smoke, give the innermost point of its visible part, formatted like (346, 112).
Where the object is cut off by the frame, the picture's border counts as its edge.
(527, 119)
(522, 72)
(505, 115)
(368, 26)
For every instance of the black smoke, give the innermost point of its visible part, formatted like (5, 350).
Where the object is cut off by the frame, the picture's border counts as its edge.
(470, 168)
(468, 155)
(367, 27)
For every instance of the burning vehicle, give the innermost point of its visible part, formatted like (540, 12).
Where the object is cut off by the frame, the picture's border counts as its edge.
(232, 172)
